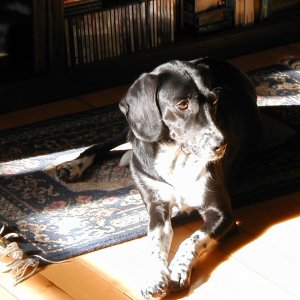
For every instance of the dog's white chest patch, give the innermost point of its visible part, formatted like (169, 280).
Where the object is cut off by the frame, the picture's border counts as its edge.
(185, 173)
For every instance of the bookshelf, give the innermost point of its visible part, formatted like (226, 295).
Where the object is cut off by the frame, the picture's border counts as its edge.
(57, 75)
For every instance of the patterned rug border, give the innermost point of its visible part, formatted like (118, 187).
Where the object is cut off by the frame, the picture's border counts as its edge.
(93, 111)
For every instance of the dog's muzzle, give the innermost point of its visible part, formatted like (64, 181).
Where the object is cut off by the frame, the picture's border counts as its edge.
(209, 152)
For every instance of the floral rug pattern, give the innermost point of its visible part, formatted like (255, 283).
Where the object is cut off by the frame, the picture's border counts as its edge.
(59, 221)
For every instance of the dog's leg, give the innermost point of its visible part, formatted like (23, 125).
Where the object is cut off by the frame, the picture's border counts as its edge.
(160, 235)
(204, 240)
(70, 171)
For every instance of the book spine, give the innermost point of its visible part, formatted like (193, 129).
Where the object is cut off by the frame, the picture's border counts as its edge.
(265, 9)
(94, 36)
(139, 26)
(173, 15)
(111, 23)
(197, 6)
(89, 36)
(67, 43)
(237, 13)
(105, 34)
(109, 38)
(102, 34)
(97, 37)
(123, 30)
(135, 27)
(160, 23)
(81, 40)
(249, 12)
(144, 24)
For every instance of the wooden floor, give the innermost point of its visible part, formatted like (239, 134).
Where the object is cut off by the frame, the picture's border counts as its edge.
(262, 262)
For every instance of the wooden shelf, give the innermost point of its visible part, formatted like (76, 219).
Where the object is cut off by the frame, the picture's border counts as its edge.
(67, 83)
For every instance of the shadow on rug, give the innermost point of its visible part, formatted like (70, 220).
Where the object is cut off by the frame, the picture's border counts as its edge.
(60, 221)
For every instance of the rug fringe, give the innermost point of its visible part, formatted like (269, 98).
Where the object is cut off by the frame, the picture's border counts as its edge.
(13, 260)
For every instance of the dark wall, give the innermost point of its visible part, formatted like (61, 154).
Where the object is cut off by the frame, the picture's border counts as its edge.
(16, 39)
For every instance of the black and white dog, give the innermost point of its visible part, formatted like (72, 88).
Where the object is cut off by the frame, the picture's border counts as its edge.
(191, 125)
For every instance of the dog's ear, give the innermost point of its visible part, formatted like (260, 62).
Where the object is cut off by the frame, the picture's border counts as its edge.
(222, 91)
(140, 107)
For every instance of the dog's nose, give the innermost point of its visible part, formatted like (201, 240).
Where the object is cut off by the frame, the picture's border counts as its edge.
(220, 150)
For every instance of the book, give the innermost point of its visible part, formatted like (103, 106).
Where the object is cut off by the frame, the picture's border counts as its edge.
(79, 2)
(244, 12)
(265, 9)
(209, 17)
(196, 6)
(81, 6)
(239, 12)
(248, 12)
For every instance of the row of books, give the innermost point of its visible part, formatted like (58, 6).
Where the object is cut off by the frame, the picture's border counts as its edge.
(207, 15)
(101, 29)
(112, 31)
(212, 15)
(198, 6)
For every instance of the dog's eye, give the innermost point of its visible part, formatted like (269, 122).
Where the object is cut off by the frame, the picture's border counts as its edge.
(183, 105)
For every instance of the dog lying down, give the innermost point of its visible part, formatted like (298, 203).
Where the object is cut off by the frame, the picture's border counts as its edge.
(191, 123)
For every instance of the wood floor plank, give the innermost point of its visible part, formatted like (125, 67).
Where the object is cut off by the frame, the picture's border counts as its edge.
(264, 58)
(122, 266)
(265, 261)
(26, 116)
(8, 121)
(80, 282)
(295, 45)
(223, 277)
(36, 287)
(63, 107)
(116, 93)
(276, 223)
(282, 238)
(96, 99)
(6, 295)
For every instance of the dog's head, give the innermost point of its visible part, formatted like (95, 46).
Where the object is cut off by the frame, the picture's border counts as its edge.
(176, 102)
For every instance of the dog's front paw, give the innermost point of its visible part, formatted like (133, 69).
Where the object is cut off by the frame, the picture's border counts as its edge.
(180, 277)
(157, 287)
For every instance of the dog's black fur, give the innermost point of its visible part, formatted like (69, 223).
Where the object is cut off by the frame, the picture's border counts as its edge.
(191, 125)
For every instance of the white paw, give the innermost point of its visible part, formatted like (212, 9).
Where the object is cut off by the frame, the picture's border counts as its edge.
(70, 171)
(157, 287)
(180, 274)
(67, 172)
